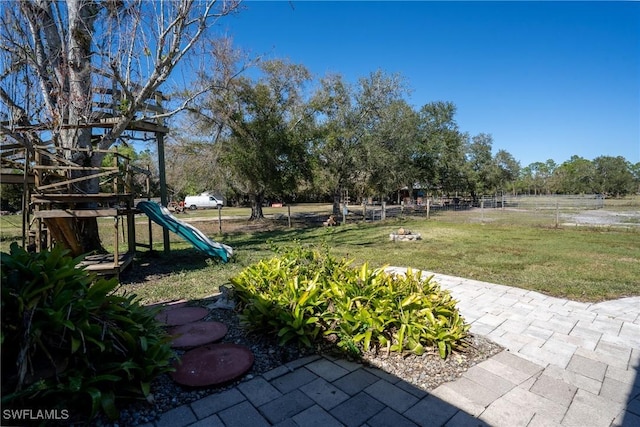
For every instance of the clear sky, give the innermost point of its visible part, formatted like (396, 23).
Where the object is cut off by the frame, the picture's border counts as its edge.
(547, 80)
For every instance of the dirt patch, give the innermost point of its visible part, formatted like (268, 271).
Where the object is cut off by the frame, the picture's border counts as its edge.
(602, 218)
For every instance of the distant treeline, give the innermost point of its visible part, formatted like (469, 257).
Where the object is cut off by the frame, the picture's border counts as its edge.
(271, 137)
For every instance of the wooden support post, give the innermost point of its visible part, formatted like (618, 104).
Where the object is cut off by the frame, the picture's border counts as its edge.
(129, 178)
(25, 199)
(163, 187)
(38, 235)
(116, 176)
(148, 191)
(150, 234)
(116, 250)
(37, 157)
(131, 230)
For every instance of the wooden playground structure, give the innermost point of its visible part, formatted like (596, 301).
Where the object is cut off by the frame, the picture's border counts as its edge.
(49, 178)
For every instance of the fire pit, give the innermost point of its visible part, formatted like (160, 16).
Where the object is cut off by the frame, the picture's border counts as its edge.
(403, 235)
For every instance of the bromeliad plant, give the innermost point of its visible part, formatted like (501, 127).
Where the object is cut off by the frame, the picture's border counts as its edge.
(304, 294)
(68, 340)
(286, 294)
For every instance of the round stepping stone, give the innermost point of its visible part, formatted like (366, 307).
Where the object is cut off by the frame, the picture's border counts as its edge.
(181, 315)
(212, 365)
(197, 333)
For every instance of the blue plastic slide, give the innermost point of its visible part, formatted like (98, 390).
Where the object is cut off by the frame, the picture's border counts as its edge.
(162, 216)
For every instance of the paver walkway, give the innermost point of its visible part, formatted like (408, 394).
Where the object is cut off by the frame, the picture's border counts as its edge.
(566, 364)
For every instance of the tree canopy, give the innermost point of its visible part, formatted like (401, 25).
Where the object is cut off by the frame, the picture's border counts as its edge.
(280, 135)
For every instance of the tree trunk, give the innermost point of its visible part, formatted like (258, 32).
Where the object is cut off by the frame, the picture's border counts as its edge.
(87, 228)
(89, 235)
(337, 196)
(81, 18)
(256, 207)
(475, 200)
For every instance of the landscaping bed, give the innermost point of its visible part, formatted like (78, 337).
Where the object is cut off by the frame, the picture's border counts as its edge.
(426, 371)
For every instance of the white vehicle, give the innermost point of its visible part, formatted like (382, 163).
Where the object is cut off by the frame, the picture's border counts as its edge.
(203, 201)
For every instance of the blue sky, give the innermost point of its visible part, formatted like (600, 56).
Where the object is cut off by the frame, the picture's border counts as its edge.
(547, 80)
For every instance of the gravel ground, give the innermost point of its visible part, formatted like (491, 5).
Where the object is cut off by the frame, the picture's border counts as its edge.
(603, 218)
(426, 371)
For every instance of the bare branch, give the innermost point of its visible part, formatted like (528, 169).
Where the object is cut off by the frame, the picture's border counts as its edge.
(224, 85)
(39, 62)
(18, 115)
(60, 47)
(18, 137)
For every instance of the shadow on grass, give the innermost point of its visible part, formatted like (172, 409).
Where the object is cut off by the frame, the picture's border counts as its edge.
(254, 241)
(358, 234)
(152, 264)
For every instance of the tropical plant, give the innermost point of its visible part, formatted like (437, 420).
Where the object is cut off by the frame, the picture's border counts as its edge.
(305, 294)
(68, 340)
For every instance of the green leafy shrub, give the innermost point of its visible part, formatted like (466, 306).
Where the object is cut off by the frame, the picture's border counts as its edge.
(304, 294)
(284, 294)
(69, 341)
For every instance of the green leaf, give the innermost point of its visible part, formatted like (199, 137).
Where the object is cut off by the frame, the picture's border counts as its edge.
(97, 342)
(145, 388)
(96, 398)
(75, 344)
(367, 340)
(108, 403)
(442, 349)
(104, 377)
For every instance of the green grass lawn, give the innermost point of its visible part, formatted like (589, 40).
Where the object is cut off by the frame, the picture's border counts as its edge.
(579, 263)
(576, 263)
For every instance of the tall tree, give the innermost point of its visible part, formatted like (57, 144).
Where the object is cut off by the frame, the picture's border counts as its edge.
(482, 168)
(635, 171)
(440, 148)
(392, 147)
(340, 135)
(193, 166)
(575, 176)
(508, 170)
(58, 53)
(613, 176)
(537, 176)
(268, 123)
(348, 118)
(526, 182)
